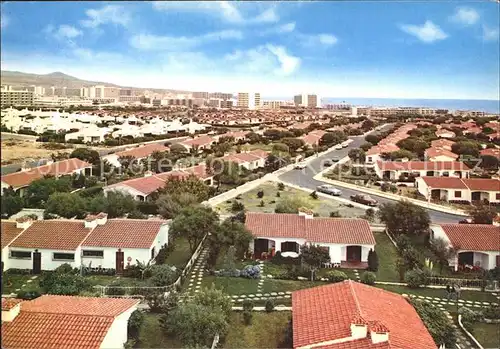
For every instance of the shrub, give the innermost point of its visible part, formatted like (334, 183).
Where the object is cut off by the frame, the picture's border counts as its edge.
(237, 206)
(269, 305)
(336, 276)
(314, 195)
(135, 322)
(469, 317)
(416, 278)
(260, 194)
(163, 275)
(281, 186)
(250, 272)
(28, 295)
(278, 194)
(373, 261)
(115, 291)
(335, 214)
(492, 312)
(262, 203)
(64, 269)
(368, 278)
(385, 187)
(247, 317)
(248, 305)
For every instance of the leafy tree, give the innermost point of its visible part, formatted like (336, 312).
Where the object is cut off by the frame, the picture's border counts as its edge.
(273, 134)
(67, 284)
(232, 233)
(195, 325)
(373, 139)
(170, 205)
(414, 145)
(126, 161)
(404, 217)
(332, 138)
(370, 214)
(489, 162)
(314, 256)
(191, 185)
(274, 162)
(466, 148)
(118, 204)
(86, 154)
(281, 186)
(135, 322)
(177, 149)
(66, 205)
(401, 154)
(357, 155)
(291, 205)
(437, 323)
(39, 190)
(280, 148)
(269, 305)
(366, 146)
(194, 223)
(214, 299)
(373, 262)
(254, 138)
(482, 214)
(11, 203)
(163, 275)
(443, 252)
(293, 143)
(237, 206)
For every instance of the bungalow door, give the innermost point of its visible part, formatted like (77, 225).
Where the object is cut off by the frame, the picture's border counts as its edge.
(37, 262)
(119, 261)
(353, 253)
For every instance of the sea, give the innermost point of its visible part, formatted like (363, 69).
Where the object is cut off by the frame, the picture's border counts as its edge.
(489, 106)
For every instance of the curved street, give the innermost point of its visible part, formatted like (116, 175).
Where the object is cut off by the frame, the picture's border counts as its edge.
(304, 178)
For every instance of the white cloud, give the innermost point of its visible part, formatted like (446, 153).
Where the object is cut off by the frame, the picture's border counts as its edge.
(317, 40)
(64, 33)
(287, 28)
(227, 10)
(114, 14)
(150, 42)
(263, 60)
(428, 32)
(490, 34)
(465, 16)
(4, 20)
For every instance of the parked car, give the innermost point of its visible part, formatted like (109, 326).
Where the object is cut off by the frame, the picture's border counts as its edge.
(338, 146)
(300, 166)
(328, 189)
(345, 144)
(327, 163)
(364, 199)
(335, 159)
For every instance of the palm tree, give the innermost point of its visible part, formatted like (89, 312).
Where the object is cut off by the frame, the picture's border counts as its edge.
(143, 267)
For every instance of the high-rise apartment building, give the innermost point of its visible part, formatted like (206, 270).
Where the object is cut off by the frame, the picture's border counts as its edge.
(249, 100)
(306, 100)
(126, 92)
(203, 95)
(10, 97)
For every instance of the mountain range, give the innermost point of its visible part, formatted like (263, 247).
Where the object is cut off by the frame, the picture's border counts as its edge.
(58, 79)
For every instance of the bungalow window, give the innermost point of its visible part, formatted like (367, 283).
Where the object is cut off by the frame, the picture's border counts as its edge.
(20, 254)
(458, 194)
(91, 253)
(498, 196)
(63, 256)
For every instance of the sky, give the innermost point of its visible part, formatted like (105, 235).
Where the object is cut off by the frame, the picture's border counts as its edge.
(380, 49)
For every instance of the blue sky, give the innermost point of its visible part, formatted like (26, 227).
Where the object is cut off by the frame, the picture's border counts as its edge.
(358, 49)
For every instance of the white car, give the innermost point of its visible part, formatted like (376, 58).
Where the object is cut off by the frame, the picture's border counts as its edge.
(338, 146)
(300, 166)
(328, 189)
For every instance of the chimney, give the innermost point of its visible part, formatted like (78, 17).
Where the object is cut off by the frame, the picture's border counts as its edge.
(359, 327)
(90, 221)
(102, 218)
(148, 174)
(379, 332)
(305, 212)
(10, 308)
(23, 222)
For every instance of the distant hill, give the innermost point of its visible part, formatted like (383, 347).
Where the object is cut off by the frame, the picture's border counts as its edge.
(59, 79)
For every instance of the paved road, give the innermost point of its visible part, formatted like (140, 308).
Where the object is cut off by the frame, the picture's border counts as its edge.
(304, 178)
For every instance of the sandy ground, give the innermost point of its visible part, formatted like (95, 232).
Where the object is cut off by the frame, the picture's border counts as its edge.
(19, 151)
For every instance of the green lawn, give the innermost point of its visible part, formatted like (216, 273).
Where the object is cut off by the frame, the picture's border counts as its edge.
(231, 285)
(321, 206)
(266, 331)
(387, 256)
(12, 282)
(487, 334)
(439, 292)
(180, 255)
(151, 335)
(275, 285)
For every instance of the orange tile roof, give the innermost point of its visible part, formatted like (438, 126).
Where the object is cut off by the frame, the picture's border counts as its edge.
(481, 184)
(124, 233)
(143, 151)
(473, 237)
(146, 185)
(325, 313)
(59, 168)
(318, 230)
(422, 166)
(9, 232)
(433, 152)
(201, 140)
(9, 303)
(442, 143)
(58, 322)
(444, 183)
(53, 234)
(486, 184)
(491, 151)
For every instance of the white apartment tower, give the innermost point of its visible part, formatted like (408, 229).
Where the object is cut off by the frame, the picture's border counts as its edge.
(306, 100)
(249, 100)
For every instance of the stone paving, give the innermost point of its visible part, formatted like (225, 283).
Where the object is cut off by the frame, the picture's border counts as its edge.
(441, 302)
(196, 273)
(261, 296)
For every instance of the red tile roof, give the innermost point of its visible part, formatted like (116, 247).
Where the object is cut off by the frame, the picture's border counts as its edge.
(199, 141)
(53, 234)
(9, 303)
(379, 149)
(422, 166)
(318, 230)
(124, 233)
(473, 237)
(491, 151)
(442, 143)
(59, 168)
(58, 322)
(474, 184)
(143, 151)
(145, 185)
(324, 313)
(486, 184)
(9, 232)
(434, 152)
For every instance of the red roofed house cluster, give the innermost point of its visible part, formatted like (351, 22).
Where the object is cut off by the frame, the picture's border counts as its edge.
(476, 245)
(348, 241)
(464, 190)
(19, 181)
(351, 315)
(66, 322)
(388, 144)
(95, 242)
(396, 169)
(138, 153)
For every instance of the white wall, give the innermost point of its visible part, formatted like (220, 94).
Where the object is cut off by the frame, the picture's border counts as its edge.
(112, 159)
(338, 252)
(47, 259)
(117, 333)
(109, 259)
